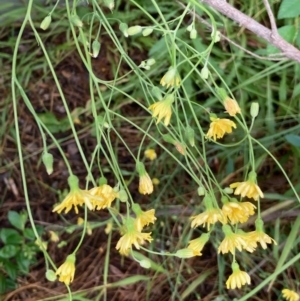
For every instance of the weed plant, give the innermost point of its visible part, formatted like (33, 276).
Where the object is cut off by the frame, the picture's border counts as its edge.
(190, 135)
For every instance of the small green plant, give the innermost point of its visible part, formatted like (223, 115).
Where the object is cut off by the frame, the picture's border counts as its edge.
(18, 250)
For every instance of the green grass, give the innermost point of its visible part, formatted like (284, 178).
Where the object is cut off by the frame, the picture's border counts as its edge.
(92, 115)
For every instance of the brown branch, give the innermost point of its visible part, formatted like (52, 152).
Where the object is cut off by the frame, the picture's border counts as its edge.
(243, 20)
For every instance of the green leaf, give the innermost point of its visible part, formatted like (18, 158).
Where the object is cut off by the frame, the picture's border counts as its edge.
(293, 139)
(23, 263)
(29, 234)
(16, 220)
(289, 9)
(11, 269)
(10, 236)
(8, 251)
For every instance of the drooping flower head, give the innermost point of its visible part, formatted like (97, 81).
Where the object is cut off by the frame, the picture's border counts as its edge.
(163, 109)
(171, 78)
(238, 278)
(248, 188)
(103, 196)
(231, 106)
(143, 218)
(187, 253)
(259, 235)
(150, 154)
(67, 270)
(76, 197)
(231, 241)
(219, 127)
(145, 184)
(131, 236)
(290, 295)
(198, 243)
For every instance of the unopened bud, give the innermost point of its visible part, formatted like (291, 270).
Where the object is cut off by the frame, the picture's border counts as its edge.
(254, 109)
(190, 135)
(47, 159)
(190, 27)
(228, 190)
(109, 4)
(102, 181)
(187, 253)
(124, 27)
(50, 275)
(204, 73)
(145, 263)
(133, 30)
(156, 93)
(147, 31)
(168, 138)
(193, 34)
(216, 36)
(95, 48)
(76, 21)
(46, 22)
(123, 197)
(151, 62)
(201, 191)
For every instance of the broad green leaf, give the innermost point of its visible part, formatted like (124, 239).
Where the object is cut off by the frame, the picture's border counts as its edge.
(289, 9)
(293, 139)
(29, 234)
(11, 269)
(16, 220)
(10, 236)
(8, 251)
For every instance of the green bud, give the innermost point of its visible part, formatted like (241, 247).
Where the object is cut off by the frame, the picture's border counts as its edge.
(151, 62)
(76, 21)
(109, 4)
(145, 263)
(204, 73)
(140, 168)
(168, 138)
(95, 48)
(124, 27)
(186, 253)
(254, 109)
(46, 22)
(201, 191)
(193, 34)
(50, 275)
(190, 27)
(228, 190)
(147, 31)
(190, 135)
(47, 159)
(123, 197)
(102, 181)
(133, 30)
(156, 93)
(216, 36)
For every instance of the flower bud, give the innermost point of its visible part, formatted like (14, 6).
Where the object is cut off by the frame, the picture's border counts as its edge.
(47, 159)
(228, 190)
(145, 263)
(123, 27)
(216, 36)
(95, 48)
(123, 197)
(151, 62)
(254, 109)
(156, 93)
(168, 138)
(187, 253)
(50, 275)
(76, 21)
(109, 4)
(201, 191)
(190, 135)
(46, 22)
(190, 27)
(102, 181)
(133, 30)
(147, 31)
(204, 73)
(193, 34)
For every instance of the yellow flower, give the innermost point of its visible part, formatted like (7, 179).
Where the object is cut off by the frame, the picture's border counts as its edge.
(145, 185)
(155, 181)
(103, 196)
(290, 295)
(251, 243)
(219, 127)
(248, 188)
(198, 243)
(208, 217)
(143, 218)
(171, 78)
(150, 154)
(163, 109)
(53, 236)
(238, 212)
(259, 236)
(231, 241)
(238, 278)
(67, 270)
(76, 197)
(231, 106)
(131, 237)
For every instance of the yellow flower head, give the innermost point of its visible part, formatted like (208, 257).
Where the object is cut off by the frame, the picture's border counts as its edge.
(231, 106)
(219, 127)
(53, 236)
(143, 218)
(163, 109)
(67, 270)
(171, 78)
(145, 184)
(290, 295)
(238, 212)
(248, 188)
(150, 154)
(198, 243)
(131, 237)
(103, 196)
(238, 278)
(76, 197)
(231, 241)
(260, 236)
(207, 218)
